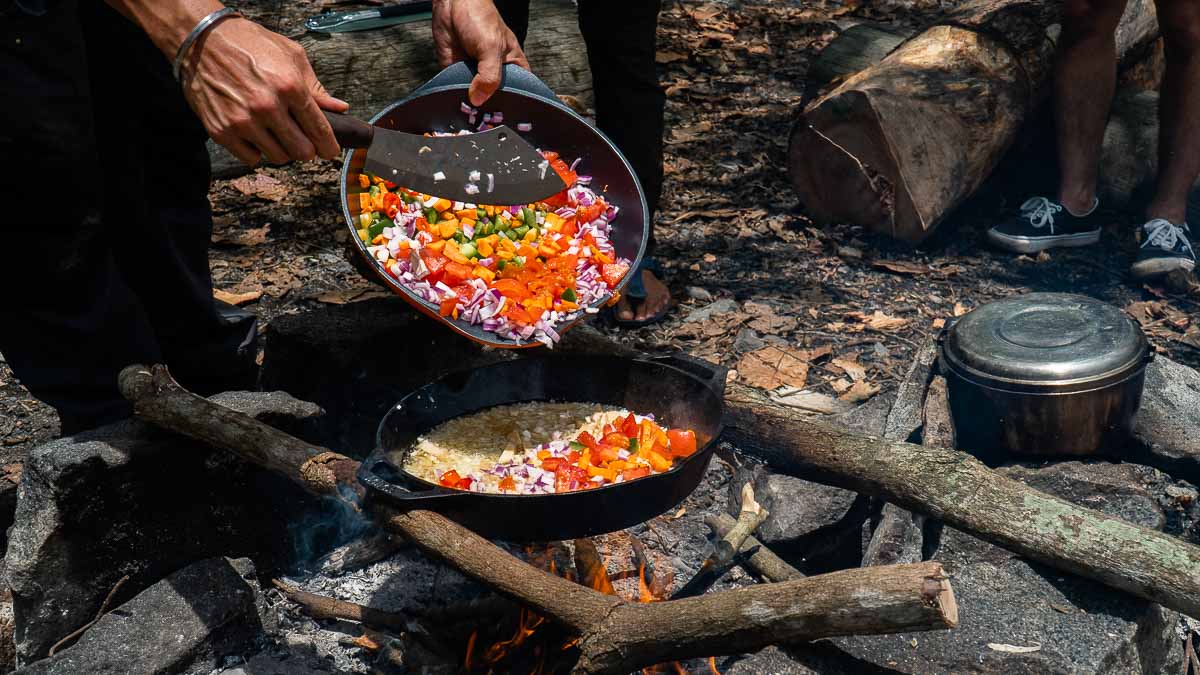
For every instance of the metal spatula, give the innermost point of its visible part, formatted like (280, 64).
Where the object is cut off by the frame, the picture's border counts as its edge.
(491, 167)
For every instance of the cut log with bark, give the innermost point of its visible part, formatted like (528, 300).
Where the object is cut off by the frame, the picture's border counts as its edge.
(899, 144)
(374, 68)
(615, 636)
(1129, 154)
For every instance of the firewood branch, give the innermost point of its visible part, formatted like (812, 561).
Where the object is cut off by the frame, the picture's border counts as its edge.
(616, 636)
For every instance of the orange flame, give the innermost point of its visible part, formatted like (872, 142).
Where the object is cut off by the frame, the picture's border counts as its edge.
(712, 665)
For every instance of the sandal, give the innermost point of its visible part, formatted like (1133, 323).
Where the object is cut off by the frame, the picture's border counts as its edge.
(636, 290)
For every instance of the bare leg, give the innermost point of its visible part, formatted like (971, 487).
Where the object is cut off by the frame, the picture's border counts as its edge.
(1085, 76)
(1178, 110)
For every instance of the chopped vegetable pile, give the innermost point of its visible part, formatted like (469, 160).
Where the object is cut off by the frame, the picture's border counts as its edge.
(516, 271)
(630, 448)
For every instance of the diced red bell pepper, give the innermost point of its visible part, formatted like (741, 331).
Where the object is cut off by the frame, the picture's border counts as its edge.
(586, 214)
(605, 453)
(616, 439)
(588, 440)
(456, 273)
(464, 291)
(450, 478)
(613, 273)
(552, 463)
(435, 263)
(573, 457)
(519, 315)
(511, 288)
(634, 474)
(570, 477)
(391, 204)
(682, 442)
(465, 483)
(629, 426)
(447, 306)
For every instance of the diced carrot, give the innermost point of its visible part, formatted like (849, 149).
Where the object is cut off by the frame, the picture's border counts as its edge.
(466, 214)
(484, 273)
(507, 484)
(508, 246)
(442, 205)
(484, 248)
(363, 181)
(543, 454)
(364, 202)
(437, 246)
(447, 228)
(634, 474)
(379, 239)
(656, 460)
(452, 252)
(609, 475)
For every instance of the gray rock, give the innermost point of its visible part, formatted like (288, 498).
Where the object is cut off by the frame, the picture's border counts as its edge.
(813, 526)
(1167, 429)
(770, 661)
(869, 418)
(896, 538)
(708, 311)
(190, 620)
(132, 499)
(1077, 625)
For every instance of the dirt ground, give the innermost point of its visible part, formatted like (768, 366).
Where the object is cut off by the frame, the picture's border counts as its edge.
(835, 310)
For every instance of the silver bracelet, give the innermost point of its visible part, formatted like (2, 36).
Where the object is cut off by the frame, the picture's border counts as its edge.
(202, 26)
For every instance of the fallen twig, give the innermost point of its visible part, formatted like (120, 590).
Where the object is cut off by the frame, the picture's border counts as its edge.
(103, 610)
(325, 607)
(752, 515)
(763, 562)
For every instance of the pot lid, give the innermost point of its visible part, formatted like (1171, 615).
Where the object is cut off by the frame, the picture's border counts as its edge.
(1045, 338)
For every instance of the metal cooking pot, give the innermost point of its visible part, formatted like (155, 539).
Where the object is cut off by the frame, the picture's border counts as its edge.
(522, 98)
(1044, 374)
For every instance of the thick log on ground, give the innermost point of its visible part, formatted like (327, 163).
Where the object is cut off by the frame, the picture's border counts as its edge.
(957, 489)
(902, 142)
(374, 68)
(1129, 155)
(615, 635)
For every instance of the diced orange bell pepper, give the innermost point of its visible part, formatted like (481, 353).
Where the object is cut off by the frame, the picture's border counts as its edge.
(552, 463)
(647, 431)
(517, 314)
(483, 273)
(438, 246)
(484, 248)
(656, 460)
(442, 205)
(507, 484)
(466, 214)
(364, 202)
(616, 439)
(447, 228)
(609, 475)
(447, 306)
(543, 454)
(452, 252)
(605, 453)
(364, 182)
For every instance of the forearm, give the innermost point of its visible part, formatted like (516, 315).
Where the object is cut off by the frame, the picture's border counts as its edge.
(166, 22)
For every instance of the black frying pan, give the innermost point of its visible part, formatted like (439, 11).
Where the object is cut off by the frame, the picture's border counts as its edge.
(522, 98)
(680, 391)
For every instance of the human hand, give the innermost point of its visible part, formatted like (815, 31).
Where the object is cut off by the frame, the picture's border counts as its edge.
(473, 29)
(256, 94)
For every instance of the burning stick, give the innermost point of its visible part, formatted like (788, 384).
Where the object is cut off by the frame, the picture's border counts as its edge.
(324, 607)
(615, 636)
(727, 555)
(763, 560)
(359, 553)
(592, 572)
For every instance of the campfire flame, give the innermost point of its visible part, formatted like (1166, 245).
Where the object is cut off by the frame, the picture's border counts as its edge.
(594, 576)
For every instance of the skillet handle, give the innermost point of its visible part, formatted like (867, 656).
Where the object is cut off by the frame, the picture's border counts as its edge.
(350, 132)
(383, 477)
(710, 374)
(511, 77)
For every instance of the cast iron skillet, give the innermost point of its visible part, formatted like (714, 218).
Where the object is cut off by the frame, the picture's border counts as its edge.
(680, 391)
(522, 98)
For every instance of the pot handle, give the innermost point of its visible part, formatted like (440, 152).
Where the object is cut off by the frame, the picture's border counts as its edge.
(711, 374)
(382, 476)
(512, 76)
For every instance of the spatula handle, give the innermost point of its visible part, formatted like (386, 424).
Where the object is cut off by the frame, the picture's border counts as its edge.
(350, 132)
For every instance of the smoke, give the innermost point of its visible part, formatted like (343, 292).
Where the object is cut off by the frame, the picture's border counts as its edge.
(333, 523)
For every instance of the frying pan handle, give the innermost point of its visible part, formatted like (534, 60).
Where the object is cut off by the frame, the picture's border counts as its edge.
(710, 374)
(512, 77)
(384, 477)
(350, 132)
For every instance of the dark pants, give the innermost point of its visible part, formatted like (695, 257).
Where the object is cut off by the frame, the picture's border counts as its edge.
(105, 233)
(621, 38)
